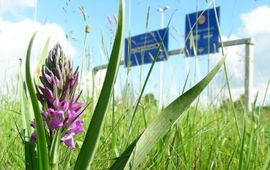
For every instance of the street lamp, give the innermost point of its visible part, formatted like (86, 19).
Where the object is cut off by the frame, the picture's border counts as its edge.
(162, 9)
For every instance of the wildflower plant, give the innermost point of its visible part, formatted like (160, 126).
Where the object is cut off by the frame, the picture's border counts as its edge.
(57, 95)
(58, 120)
(60, 107)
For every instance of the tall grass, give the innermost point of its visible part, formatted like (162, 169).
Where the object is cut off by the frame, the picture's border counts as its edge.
(204, 140)
(181, 136)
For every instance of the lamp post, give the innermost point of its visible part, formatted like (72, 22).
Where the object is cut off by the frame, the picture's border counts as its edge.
(161, 9)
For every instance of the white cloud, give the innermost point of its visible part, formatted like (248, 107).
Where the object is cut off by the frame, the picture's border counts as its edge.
(14, 39)
(87, 82)
(255, 25)
(256, 21)
(7, 5)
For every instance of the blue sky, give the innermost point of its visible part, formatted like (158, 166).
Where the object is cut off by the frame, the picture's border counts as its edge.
(66, 16)
(66, 13)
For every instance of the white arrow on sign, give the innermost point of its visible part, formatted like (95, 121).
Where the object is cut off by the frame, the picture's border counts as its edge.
(200, 50)
(206, 36)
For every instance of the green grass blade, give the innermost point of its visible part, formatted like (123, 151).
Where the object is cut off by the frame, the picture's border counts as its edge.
(30, 156)
(225, 71)
(208, 163)
(54, 150)
(159, 127)
(44, 52)
(231, 158)
(26, 117)
(147, 18)
(83, 57)
(93, 134)
(267, 162)
(42, 150)
(67, 158)
(121, 161)
(250, 150)
(114, 139)
(43, 56)
(29, 147)
(154, 59)
(241, 159)
(182, 145)
(265, 94)
(185, 84)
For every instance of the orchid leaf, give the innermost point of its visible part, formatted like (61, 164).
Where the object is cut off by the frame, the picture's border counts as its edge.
(42, 149)
(94, 130)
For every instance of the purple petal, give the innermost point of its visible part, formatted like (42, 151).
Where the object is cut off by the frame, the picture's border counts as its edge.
(56, 103)
(71, 115)
(75, 128)
(76, 106)
(48, 78)
(47, 93)
(68, 141)
(44, 113)
(64, 105)
(51, 111)
(72, 81)
(54, 123)
(33, 137)
(57, 82)
(60, 114)
(56, 113)
(75, 97)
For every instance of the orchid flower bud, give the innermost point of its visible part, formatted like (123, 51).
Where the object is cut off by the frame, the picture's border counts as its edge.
(56, 93)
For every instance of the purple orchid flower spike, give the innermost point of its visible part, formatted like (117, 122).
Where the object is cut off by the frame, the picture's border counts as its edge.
(60, 106)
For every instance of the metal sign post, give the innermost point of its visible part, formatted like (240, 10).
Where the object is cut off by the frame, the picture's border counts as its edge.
(141, 49)
(249, 74)
(249, 52)
(201, 35)
(93, 87)
(160, 105)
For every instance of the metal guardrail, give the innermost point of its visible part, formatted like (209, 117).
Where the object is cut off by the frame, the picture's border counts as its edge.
(181, 50)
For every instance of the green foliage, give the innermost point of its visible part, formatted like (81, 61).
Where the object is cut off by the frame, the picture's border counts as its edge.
(238, 104)
(149, 100)
(195, 135)
(26, 113)
(163, 122)
(42, 149)
(94, 130)
(179, 137)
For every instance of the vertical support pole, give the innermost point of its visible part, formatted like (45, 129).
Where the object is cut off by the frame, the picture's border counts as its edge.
(161, 10)
(208, 87)
(93, 87)
(249, 49)
(161, 71)
(35, 10)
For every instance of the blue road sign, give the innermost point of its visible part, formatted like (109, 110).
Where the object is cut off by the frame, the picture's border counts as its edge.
(143, 48)
(201, 35)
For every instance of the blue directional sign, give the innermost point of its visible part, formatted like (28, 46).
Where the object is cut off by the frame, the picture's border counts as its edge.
(143, 48)
(201, 35)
